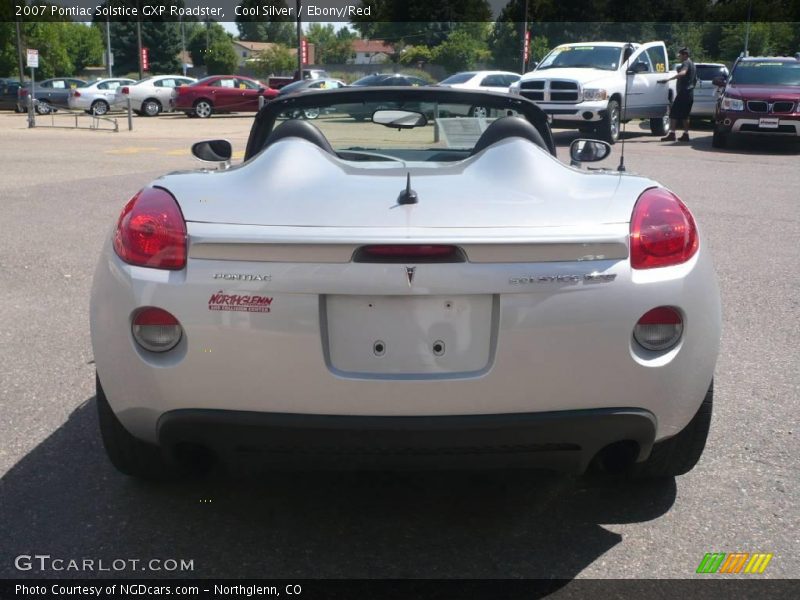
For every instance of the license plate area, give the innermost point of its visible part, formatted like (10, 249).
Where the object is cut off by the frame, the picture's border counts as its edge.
(769, 122)
(409, 336)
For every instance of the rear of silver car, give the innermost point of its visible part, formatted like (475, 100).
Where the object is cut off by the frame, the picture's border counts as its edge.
(482, 335)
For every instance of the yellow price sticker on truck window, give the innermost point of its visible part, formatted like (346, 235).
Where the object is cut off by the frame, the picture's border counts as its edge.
(661, 67)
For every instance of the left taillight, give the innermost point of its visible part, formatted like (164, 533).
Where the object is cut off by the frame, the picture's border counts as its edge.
(126, 90)
(151, 231)
(663, 231)
(155, 329)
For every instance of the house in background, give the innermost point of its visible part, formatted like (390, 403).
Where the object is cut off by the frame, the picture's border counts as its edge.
(371, 52)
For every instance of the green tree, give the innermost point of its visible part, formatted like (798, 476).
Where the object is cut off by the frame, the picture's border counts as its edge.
(85, 46)
(201, 40)
(465, 48)
(279, 29)
(162, 40)
(330, 46)
(221, 58)
(275, 60)
(765, 39)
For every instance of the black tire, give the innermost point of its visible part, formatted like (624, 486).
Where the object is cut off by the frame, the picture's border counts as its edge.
(203, 108)
(680, 453)
(151, 108)
(127, 453)
(719, 139)
(43, 107)
(659, 126)
(99, 108)
(609, 127)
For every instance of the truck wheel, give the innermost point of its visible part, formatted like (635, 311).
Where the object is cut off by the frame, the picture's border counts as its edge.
(719, 140)
(127, 453)
(680, 453)
(660, 126)
(608, 130)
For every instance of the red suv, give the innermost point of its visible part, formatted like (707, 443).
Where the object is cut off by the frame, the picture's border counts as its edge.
(220, 94)
(761, 97)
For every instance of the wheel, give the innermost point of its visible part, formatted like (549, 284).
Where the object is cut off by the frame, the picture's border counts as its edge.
(151, 107)
(660, 126)
(99, 108)
(480, 112)
(608, 130)
(719, 140)
(680, 453)
(127, 453)
(311, 113)
(43, 107)
(203, 109)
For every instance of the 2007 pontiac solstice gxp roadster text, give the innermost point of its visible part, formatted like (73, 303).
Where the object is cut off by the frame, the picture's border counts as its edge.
(423, 285)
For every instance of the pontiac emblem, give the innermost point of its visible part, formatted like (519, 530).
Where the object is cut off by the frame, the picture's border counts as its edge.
(410, 274)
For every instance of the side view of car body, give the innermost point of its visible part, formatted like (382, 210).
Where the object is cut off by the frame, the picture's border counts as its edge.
(221, 94)
(97, 97)
(50, 94)
(153, 95)
(761, 97)
(372, 291)
(706, 93)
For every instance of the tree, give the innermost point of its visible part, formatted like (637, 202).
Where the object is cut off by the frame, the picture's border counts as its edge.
(465, 48)
(86, 46)
(278, 29)
(203, 38)
(330, 46)
(275, 59)
(162, 40)
(221, 58)
(765, 39)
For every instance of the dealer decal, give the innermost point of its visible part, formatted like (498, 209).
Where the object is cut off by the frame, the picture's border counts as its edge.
(239, 303)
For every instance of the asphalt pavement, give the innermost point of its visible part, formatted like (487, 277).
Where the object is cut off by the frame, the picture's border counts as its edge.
(62, 191)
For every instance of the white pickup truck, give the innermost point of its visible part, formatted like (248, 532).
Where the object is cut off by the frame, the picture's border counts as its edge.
(582, 86)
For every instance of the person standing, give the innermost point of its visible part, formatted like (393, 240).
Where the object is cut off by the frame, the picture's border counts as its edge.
(682, 105)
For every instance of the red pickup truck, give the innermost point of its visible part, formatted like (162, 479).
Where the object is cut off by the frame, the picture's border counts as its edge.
(221, 94)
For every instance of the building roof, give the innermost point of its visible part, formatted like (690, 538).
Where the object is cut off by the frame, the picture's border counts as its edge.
(253, 46)
(372, 46)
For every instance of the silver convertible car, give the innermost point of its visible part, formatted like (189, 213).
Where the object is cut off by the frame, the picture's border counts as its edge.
(422, 286)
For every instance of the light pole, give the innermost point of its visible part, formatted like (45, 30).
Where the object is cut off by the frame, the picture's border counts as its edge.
(109, 58)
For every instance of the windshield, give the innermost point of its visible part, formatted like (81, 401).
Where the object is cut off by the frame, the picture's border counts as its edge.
(767, 73)
(458, 78)
(288, 89)
(586, 56)
(446, 131)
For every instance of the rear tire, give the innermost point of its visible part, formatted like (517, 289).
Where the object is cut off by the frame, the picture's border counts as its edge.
(151, 108)
(43, 107)
(203, 109)
(127, 453)
(99, 108)
(680, 453)
(719, 140)
(659, 127)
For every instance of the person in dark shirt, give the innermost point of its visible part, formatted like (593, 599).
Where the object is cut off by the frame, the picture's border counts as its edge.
(682, 105)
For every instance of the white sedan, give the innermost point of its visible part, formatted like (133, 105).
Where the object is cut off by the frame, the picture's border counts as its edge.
(393, 290)
(493, 81)
(97, 97)
(152, 95)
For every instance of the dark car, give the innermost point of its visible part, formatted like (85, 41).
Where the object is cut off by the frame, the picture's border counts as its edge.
(49, 94)
(221, 94)
(307, 85)
(8, 94)
(762, 96)
(364, 112)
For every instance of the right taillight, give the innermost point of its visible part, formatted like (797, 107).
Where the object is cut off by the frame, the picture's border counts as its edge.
(151, 231)
(663, 231)
(125, 90)
(76, 94)
(659, 329)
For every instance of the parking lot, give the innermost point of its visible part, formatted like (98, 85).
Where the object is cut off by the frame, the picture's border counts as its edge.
(62, 190)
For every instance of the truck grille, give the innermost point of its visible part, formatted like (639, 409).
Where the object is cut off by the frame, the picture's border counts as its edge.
(551, 91)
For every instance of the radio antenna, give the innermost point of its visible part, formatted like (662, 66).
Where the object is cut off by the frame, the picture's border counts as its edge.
(623, 116)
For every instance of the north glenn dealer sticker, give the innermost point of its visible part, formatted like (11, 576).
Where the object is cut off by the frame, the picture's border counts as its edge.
(240, 302)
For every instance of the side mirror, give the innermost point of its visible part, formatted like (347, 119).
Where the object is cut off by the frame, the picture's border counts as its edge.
(588, 151)
(719, 80)
(218, 151)
(400, 119)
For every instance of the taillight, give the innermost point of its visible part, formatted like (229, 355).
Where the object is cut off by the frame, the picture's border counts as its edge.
(156, 330)
(151, 231)
(409, 253)
(659, 329)
(76, 94)
(125, 90)
(663, 231)
(22, 92)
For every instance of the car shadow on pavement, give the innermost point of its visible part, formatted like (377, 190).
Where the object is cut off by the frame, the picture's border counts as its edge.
(66, 500)
(751, 145)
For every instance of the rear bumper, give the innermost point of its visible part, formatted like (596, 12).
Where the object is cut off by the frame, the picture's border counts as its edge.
(561, 440)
